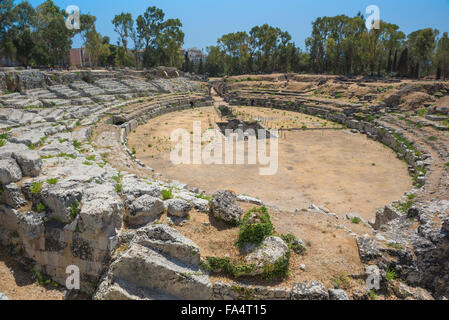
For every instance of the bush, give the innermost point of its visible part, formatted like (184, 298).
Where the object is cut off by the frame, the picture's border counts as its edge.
(167, 194)
(255, 227)
(293, 243)
(225, 265)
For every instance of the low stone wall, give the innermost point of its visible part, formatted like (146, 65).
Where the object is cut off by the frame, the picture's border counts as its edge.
(146, 114)
(225, 291)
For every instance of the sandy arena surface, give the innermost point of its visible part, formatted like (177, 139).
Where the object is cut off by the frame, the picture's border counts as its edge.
(346, 172)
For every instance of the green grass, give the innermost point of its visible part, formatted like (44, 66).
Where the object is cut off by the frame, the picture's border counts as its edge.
(2, 142)
(432, 138)
(167, 194)
(65, 155)
(52, 181)
(390, 275)
(411, 196)
(91, 158)
(203, 196)
(40, 207)
(342, 281)
(404, 207)
(76, 144)
(356, 220)
(36, 187)
(395, 245)
(408, 144)
(277, 270)
(74, 210)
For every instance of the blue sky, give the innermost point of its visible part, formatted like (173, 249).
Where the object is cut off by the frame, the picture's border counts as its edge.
(204, 21)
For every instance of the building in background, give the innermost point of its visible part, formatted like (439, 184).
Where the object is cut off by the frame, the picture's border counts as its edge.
(78, 57)
(6, 61)
(196, 55)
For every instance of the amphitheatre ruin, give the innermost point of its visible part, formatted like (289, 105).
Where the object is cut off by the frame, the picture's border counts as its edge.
(361, 189)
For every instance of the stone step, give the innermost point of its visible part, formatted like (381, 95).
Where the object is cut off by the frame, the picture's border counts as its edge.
(153, 270)
(123, 290)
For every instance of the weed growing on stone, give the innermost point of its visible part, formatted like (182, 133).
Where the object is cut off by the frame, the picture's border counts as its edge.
(167, 194)
(36, 187)
(255, 227)
(74, 210)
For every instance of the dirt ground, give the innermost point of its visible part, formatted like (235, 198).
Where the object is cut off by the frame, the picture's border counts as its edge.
(346, 172)
(331, 253)
(17, 283)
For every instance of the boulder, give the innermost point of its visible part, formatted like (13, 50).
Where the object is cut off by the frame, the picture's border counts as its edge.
(102, 210)
(224, 206)
(272, 250)
(61, 199)
(404, 291)
(31, 225)
(9, 171)
(29, 161)
(12, 196)
(314, 290)
(368, 249)
(168, 241)
(178, 208)
(158, 263)
(383, 216)
(132, 186)
(143, 210)
(337, 294)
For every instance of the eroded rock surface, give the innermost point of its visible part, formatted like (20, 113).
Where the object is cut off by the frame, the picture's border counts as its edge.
(224, 206)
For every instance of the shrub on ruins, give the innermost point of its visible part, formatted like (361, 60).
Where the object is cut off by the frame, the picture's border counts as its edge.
(255, 227)
(74, 210)
(167, 194)
(36, 187)
(294, 243)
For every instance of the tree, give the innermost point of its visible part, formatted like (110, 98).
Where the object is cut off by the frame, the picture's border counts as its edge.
(53, 38)
(96, 47)
(442, 55)
(169, 44)
(123, 25)
(21, 32)
(214, 61)
(421, 44)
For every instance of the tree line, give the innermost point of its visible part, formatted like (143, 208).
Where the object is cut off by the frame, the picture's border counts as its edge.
(39, 37)
(337, 45)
